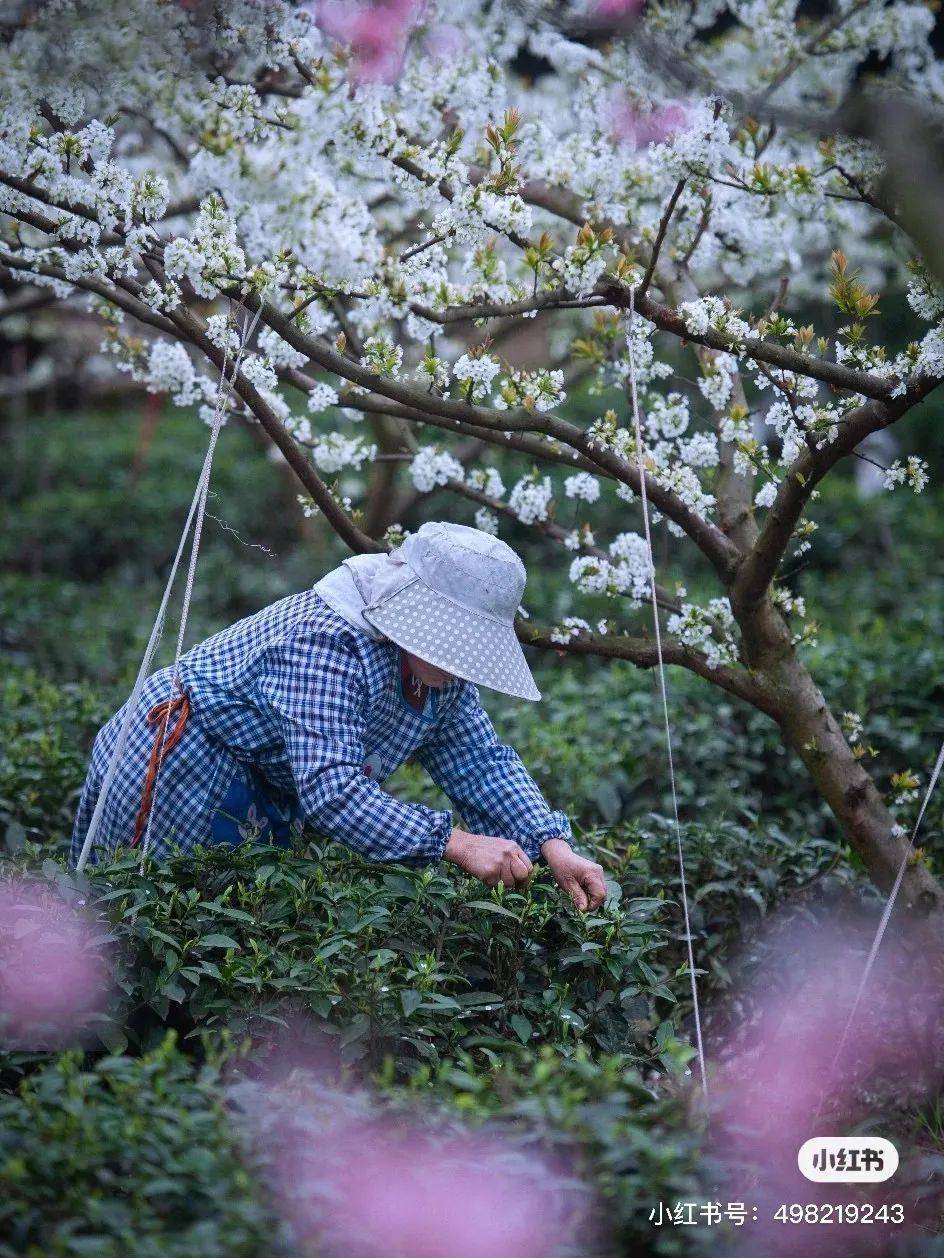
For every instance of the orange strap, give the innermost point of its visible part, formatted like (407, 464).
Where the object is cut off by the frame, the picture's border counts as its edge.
(165, 741)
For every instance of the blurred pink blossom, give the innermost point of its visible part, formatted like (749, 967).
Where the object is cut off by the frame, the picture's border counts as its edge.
(637, 128)
(354, 1183)
(54, 973)
(293, 1051)
(377, 33)
(390, 1190)
(780, 1082)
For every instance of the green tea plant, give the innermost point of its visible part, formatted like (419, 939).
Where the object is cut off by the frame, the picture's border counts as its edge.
(411, 965)
(461, 1006)
(129, 1155)
(45, 730)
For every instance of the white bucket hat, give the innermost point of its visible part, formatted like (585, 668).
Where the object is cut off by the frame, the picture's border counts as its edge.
(455, 604)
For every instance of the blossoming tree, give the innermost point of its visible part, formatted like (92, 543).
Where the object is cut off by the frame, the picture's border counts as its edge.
(384, 195)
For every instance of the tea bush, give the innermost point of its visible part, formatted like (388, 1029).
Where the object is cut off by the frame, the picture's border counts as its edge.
(129, 1155)
(462, 1004)
(633, 1146)
(408, 965)
(45, 733)
(152, 1155)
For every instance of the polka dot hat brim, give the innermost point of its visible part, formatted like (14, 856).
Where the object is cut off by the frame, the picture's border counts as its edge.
(467, 644)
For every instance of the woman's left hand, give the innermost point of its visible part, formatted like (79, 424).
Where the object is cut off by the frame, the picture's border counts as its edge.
(580, 878)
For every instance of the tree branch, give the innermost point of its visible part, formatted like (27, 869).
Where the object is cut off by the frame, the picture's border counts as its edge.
(834, 374)
(660, 237)
(524, 443)
(643, 653)
(124, 300)
(811, 465)
(334, 513)
(555, 299)
(29, 189)
(617, 295)
(26, 301)
(720, 551)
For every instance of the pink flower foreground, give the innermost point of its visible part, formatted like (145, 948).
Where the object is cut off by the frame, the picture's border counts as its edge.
(349, 1182)
(54, 974)
(793, 1068)
(400, 1192)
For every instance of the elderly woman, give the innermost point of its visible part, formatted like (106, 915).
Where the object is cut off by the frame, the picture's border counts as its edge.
(299, 712)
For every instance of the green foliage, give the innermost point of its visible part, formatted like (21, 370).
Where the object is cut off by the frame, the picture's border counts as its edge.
(133, 1155)
(460, 1003)
(596, 1115)
(736, 875)
(396, 963)
(85, 545)
(72, 503)
(45, 731)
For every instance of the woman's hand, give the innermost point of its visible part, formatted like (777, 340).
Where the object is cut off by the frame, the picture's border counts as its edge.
(580, 878)
(488, 858)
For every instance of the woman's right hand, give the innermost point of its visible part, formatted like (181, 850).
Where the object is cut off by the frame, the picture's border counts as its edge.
(490, 859)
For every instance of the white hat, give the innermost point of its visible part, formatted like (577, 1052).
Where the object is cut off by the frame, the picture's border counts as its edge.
(456, 607)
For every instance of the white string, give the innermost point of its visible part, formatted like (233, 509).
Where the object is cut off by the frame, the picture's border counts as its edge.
(197, 508)
(202, 486)
(203, 489)
(889, 906)
(135, 696)
(665, 698)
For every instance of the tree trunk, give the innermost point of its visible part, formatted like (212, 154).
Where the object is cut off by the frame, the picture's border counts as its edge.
(812, 731)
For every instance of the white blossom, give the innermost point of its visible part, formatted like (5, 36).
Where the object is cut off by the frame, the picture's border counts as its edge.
(487, 521)
(930, 359)
(278, 351)
(914, 472)
(534, 390)
(170, 370)
(925, 298)
(530, 498)
(699, 450)
(321, 396)
(431, 466)
(570, 627)
(582, 485)
(488, 480)
(709, 630)
(710, 313)
(335, 451)
(382, 356)
(766, 494)
(477, 373)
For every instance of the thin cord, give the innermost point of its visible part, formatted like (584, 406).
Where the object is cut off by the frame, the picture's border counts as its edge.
(665, 698)
(135, 696)
(203, 488)
(197, 505)
(185, 611)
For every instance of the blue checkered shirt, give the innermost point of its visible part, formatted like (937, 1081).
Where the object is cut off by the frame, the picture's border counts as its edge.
(317, 709)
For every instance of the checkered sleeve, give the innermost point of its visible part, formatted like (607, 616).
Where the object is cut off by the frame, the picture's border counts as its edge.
(486, 780)
(314, 684)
